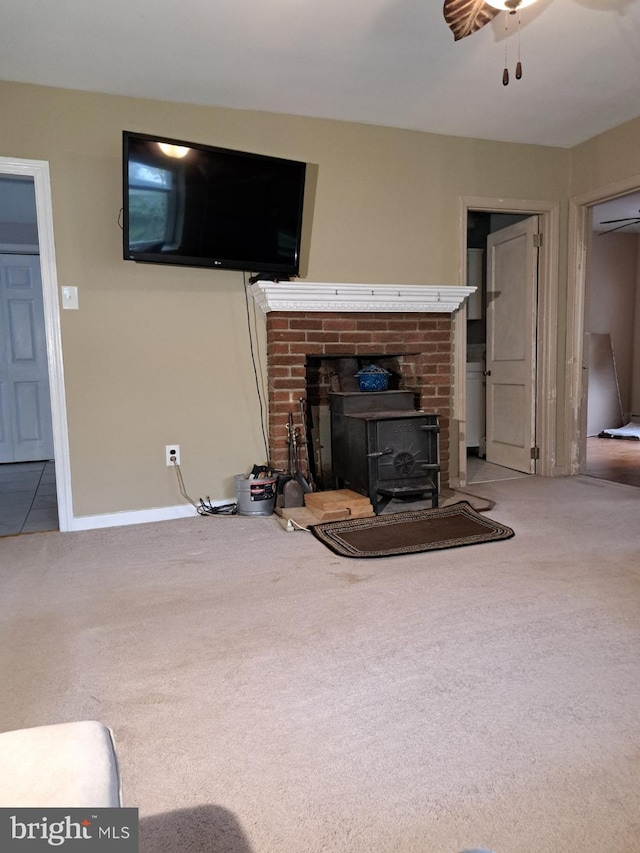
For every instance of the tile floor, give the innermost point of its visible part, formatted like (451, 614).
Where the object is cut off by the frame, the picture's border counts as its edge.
(28, 501)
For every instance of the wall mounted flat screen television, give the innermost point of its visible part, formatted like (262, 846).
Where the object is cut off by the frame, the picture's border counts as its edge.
(197, 205)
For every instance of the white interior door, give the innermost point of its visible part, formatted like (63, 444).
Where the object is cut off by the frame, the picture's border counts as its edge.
(26, 432)
(512, 285)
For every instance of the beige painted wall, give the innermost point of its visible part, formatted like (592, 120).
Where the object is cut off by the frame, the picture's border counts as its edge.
(160, 354)
(606, 159)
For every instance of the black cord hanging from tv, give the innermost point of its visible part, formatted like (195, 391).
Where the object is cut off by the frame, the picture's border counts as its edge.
(268, 276)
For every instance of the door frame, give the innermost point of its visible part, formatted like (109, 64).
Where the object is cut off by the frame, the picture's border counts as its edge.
(39, 171)
(547, 333)
(576, 376)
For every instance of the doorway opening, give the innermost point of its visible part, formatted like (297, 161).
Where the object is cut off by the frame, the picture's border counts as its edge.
(487, 464)
(489, 344)
(607, 286)
(27, 469)
(36, 423)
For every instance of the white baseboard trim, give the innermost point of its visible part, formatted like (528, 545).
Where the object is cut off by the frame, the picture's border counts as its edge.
(141, 516)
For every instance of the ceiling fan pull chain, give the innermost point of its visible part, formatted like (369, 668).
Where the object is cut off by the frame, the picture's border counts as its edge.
(505, 73)
(519, 64)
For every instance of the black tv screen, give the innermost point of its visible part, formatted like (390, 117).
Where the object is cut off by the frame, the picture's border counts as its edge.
(197, 205)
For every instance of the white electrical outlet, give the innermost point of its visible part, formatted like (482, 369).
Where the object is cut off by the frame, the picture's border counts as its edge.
(172, 454)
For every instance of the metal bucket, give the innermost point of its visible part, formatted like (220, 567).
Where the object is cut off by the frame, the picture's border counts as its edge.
(257, 496)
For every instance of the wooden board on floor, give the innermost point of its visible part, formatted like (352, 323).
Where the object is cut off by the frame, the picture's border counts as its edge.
(334, 505)
(338, 499)
(300, 516)
(312, 515)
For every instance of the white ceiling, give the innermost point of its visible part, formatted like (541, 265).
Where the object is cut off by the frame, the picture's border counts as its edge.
(384, 62)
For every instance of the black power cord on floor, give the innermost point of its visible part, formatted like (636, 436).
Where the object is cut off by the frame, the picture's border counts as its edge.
(207, 508)
(204, 507)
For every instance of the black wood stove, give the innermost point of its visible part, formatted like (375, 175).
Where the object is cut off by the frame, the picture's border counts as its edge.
(381, 446)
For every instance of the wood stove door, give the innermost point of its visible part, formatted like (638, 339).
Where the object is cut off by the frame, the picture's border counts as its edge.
(403, 449)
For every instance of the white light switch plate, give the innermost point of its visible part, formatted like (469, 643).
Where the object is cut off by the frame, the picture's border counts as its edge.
(70, 297)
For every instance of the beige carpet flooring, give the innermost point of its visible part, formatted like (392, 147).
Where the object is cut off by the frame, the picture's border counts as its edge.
(268, 696)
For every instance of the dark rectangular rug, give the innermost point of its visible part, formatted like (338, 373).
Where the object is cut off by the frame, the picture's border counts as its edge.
(410, 532)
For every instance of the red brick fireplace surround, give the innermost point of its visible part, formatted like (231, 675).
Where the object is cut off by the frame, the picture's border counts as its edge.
(412, 323)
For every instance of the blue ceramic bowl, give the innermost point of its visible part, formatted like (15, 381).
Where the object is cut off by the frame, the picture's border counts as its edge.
(374, 381)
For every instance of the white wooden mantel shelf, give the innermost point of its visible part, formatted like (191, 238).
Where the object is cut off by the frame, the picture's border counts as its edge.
(314, 296)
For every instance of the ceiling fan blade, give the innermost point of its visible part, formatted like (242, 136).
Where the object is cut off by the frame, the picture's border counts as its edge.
(624, 219)
(465, 17)
(618, 227)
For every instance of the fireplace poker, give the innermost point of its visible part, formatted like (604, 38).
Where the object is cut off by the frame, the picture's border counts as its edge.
(305, 438)
(297, 474)
(292, 491)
